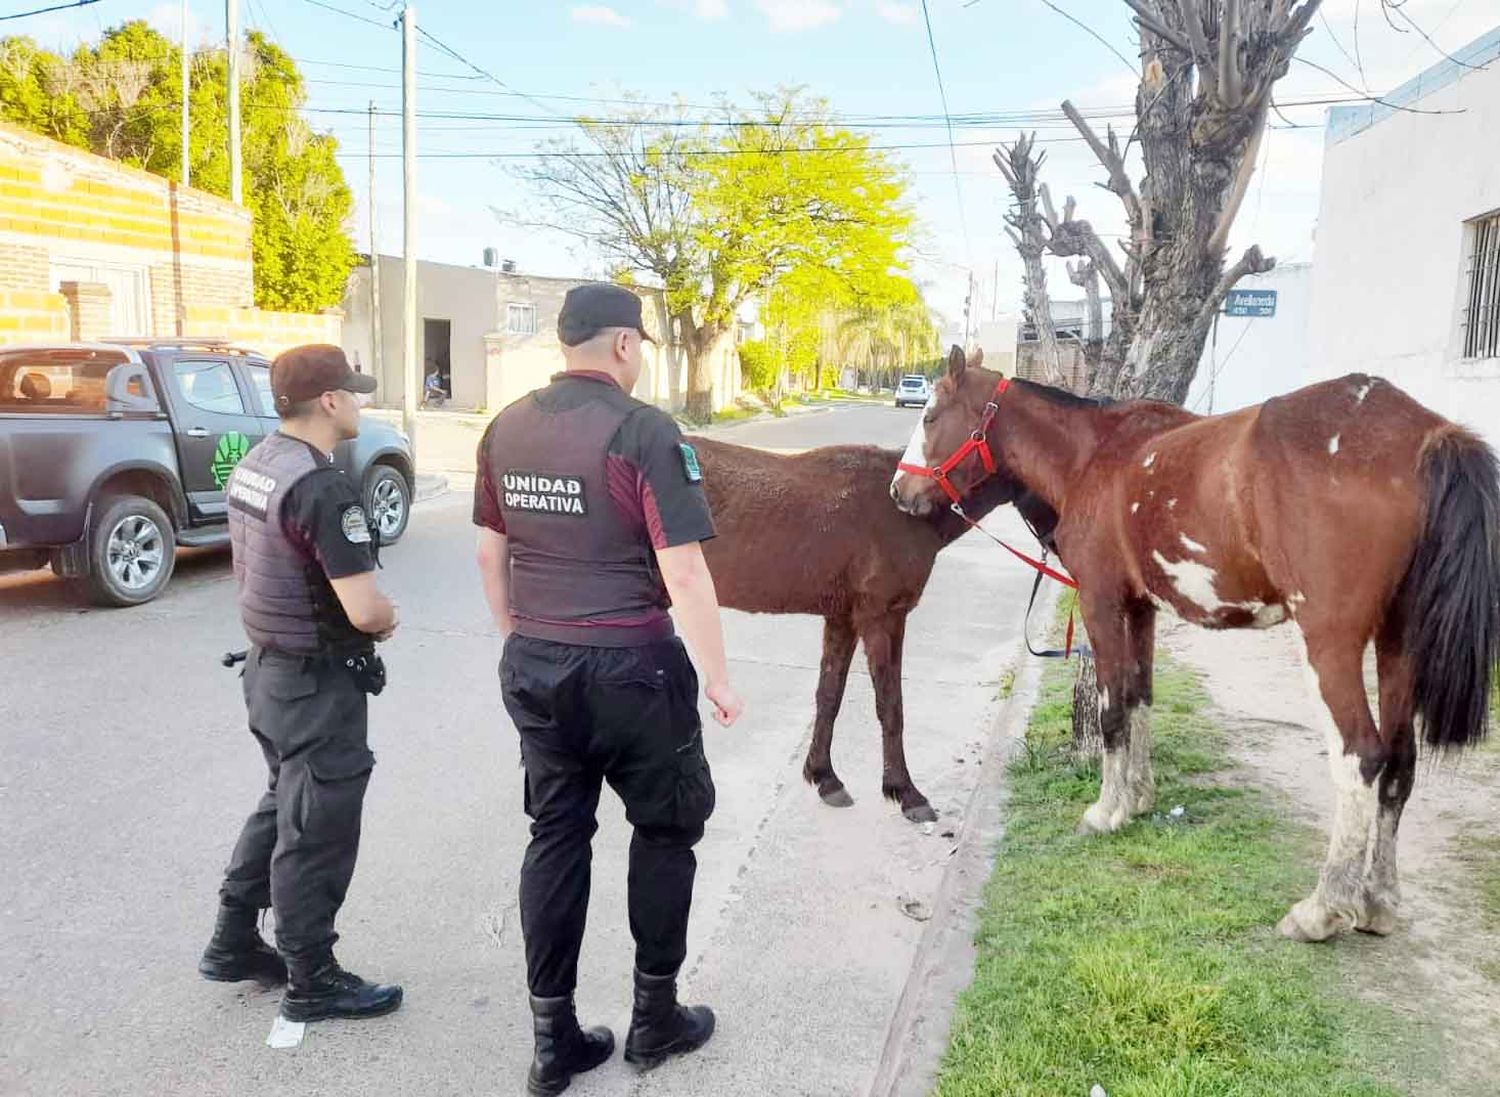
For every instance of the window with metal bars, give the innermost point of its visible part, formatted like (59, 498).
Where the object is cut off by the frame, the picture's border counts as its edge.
(1481, 319)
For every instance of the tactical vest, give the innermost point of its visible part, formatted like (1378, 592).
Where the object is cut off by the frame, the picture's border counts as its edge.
(582, 570)
(279, 601)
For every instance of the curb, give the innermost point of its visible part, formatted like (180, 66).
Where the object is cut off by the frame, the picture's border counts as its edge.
(943, 965)
(429, 486)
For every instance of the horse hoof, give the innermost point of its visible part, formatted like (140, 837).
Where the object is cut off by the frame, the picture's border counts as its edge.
(1310, 921)
(836, 796)
(1099, 820)
(920, 813)
(1380, 922)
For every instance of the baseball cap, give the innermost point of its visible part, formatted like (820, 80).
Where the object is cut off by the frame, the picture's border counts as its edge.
(589, 309)
(307, 372)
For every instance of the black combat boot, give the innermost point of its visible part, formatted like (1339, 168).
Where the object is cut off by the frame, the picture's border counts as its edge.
(562, 1048)
(237, 951)
(659, 1027)
(320, 989)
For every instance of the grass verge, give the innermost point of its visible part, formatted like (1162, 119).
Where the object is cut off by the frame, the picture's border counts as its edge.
(1147, 963)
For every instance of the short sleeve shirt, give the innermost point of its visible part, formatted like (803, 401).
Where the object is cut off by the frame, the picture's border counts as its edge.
(322, 514)
(668, 493)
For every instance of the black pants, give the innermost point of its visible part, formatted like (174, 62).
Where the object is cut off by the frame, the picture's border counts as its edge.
(296, 854)
(628, 716)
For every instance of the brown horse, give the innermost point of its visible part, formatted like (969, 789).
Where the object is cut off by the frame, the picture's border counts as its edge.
(1346, 507)
(816, 533)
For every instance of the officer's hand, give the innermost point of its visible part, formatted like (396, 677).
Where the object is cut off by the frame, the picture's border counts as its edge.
(727, 703)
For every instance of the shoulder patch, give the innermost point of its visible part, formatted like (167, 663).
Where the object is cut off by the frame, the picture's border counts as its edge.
(690, 463)
(356, 528)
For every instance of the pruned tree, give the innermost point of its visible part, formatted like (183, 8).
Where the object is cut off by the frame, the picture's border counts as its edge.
(1208, 69)
(1207, 72)
(1022, 167)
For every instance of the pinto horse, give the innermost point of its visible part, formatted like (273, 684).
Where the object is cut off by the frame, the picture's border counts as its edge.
(816, 533)
(1346, 507)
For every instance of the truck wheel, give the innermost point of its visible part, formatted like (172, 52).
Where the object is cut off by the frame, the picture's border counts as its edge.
(388, 502)
(132, 552)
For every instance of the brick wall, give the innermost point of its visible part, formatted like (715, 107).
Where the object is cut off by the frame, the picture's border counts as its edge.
(27, 316)
(268, 332)
(62, 205)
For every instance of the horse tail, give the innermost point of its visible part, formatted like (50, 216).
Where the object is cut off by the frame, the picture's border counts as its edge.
(1452, 590)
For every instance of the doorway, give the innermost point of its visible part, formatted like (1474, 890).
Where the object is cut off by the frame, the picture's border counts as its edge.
(437, 336)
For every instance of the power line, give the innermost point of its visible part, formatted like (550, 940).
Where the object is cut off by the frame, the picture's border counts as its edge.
(1367, 98)
(351, 15)
(1097, 36)
(958, 188)
(44, 11)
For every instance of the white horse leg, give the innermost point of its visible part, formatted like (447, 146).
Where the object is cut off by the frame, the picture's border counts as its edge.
(1338, 902)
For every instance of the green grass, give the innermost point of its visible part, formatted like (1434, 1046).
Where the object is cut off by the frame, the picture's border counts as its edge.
(1148, 962)
(1481, 853)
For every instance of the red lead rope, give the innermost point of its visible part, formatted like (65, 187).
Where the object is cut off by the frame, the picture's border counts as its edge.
(979, 442)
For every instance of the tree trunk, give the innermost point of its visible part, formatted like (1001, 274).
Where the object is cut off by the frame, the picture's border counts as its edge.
(700, 344)
(1088, 738)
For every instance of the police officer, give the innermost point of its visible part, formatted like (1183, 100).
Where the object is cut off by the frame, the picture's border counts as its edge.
(591, 513)
(304, 562)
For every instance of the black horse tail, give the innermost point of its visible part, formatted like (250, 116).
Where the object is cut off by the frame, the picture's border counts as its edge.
(1452, 591)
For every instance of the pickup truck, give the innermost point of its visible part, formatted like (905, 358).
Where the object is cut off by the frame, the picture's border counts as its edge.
(112, 454)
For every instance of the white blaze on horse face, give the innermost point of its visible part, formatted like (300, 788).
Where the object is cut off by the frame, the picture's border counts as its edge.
(1172, 504)
(1333, 445)
(1194, 581)
(1149, 461)
(1134, 507)
(1193, 546)
(916, 453)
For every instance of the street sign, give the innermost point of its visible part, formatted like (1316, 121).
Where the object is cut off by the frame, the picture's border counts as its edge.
(1250, 302)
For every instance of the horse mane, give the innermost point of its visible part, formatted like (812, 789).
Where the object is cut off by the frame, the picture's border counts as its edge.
(1064, 398)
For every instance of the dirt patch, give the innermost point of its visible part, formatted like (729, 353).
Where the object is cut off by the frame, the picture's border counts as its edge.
(1437, 971)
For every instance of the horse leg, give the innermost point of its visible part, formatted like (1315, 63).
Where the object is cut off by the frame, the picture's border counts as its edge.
(884, 639)
(1124, 711)
(1141, 638)
(1356, 758)
(838, 652)
(1398, 733)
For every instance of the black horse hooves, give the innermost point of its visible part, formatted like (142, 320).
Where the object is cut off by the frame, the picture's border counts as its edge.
(835, 795)
(920, 813)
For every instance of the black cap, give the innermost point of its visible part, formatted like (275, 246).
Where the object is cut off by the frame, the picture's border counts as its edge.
(307, 372)
(589, 309)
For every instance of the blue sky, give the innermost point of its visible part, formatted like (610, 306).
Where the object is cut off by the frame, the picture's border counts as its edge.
(867, 57)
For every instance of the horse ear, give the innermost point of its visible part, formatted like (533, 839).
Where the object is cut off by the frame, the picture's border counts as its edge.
(977, 358)
(956, 362)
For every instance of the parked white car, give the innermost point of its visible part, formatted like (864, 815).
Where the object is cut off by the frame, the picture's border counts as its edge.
(914, 390)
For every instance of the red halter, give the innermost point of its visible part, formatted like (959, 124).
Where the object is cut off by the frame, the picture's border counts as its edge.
(978, 441)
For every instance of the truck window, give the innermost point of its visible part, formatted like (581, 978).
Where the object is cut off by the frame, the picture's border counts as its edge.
(260, 378)
(209, 386)
(56, 383)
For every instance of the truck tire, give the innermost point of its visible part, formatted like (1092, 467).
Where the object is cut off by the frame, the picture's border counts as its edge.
(132, 551)
(388, 502)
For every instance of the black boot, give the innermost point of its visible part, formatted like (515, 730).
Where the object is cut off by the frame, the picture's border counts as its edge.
(321, 989)
(659, 1027)
(562, 1048)
(237, 950)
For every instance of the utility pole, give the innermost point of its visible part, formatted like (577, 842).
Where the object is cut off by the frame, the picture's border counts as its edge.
(377, 333)
(410, 365)
(232, 18)
(968, 307)
(186, 67)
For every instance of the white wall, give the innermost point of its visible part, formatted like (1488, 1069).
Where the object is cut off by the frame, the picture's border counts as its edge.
(1389, 267)
(1261, 356)
(464, 296)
